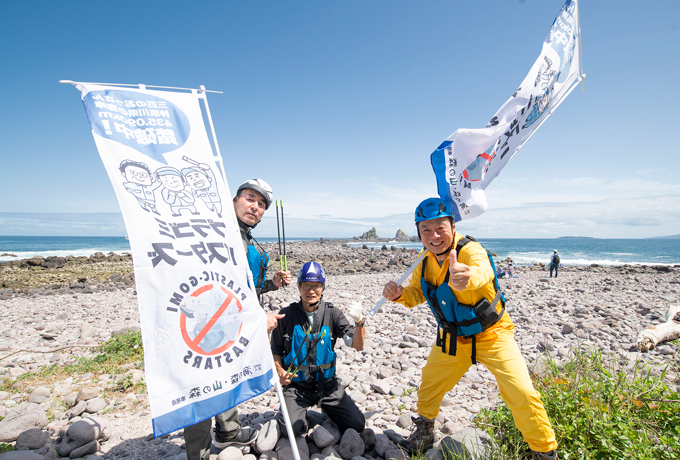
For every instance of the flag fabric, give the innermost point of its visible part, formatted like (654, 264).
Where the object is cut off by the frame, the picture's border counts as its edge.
(469, 159)
(204, 333)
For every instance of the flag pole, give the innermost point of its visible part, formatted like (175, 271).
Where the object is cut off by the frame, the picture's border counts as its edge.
(380, 303)
(218, 156)
(580, 52)
(286, 419)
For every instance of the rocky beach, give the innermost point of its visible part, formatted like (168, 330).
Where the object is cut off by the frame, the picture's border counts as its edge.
(55, 310)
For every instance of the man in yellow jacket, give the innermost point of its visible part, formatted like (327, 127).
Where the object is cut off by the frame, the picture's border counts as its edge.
(458, 282)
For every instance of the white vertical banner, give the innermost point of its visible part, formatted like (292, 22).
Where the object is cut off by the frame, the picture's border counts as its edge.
(205, 341)
(469, 159)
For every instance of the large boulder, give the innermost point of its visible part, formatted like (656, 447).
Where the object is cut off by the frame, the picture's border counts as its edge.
(467, 443)
(82, 434)
(32, 439)
(351, 445)
(21, 418)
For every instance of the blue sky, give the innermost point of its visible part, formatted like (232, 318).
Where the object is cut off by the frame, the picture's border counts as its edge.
(338, 105)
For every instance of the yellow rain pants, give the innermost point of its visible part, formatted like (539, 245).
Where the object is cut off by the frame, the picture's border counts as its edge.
(499, 352)
(496, 349)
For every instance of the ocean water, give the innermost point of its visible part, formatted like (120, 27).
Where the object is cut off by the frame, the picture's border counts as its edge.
(572, 251)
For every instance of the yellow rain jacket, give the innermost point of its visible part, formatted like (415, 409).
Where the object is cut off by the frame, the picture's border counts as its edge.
(481, 283)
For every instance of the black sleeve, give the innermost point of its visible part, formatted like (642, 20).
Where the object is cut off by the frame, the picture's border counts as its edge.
(277, 340)
(268, 286)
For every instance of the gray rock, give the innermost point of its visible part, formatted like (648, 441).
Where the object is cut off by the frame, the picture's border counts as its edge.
(91, 447)
(404, 421)
(567, 328)
(396, 391)
(322, 438)
(82, 433)
(434, 454)
(286, 454)
(332, 429)
(381, 387)
(383, 443)
(249, 457)
(95, 405)
(358, 397)
(268, 436)
(39, 395)
(666, 350)
(467, 443)
(77, 409)
(395, 454)
(269, 455)
(21, 418)
(351, 444)
(230, 453)
(368, 436)
(87, 393)
(32, 439)
(330, 452)
(284, 443)
(21, 455)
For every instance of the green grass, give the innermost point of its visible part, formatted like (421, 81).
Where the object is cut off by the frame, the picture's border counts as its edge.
(599, 410)
(107, 358)
(4, 447)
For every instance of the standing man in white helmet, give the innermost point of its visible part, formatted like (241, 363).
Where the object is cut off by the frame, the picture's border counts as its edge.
(252, 199)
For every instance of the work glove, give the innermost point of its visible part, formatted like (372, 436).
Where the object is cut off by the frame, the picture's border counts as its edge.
(354, 312)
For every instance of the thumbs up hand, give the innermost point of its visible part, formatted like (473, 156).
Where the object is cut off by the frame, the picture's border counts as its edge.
(460, 273)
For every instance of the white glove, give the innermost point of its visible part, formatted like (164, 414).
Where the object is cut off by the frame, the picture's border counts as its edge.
(354, 312)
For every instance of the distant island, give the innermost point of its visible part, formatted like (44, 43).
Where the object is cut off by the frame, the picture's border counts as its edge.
(669, 237)
(575, 237)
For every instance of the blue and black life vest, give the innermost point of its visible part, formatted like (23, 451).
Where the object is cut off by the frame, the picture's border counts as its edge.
(456, 318)
(312, 352)
(258, 264)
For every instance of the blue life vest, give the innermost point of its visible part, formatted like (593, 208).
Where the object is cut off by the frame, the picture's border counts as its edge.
(456, 318)
(313, 353)
(258, 264)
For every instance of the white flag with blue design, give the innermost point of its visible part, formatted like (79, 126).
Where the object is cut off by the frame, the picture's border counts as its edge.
(204, 332)
(469, 159)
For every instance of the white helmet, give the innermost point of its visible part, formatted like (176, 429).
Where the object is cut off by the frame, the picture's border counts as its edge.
(259, 186)
(555, 251)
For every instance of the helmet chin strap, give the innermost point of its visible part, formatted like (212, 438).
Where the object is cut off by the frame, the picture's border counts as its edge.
(311, 304)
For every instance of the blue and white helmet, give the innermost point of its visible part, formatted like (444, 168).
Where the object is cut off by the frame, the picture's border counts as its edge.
(311, 272)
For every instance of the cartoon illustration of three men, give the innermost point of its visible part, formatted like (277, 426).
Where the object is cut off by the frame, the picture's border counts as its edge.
(180, 188)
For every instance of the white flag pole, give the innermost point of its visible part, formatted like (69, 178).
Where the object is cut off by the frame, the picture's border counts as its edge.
(286, 419)
(380, 303)
(279, 390)
(218, 156)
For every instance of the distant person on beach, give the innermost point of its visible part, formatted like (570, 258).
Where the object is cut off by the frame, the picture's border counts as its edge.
(304, 384)
(500, 272)
(252, 199)
(554, 263)
(511, 267)
(457, 270)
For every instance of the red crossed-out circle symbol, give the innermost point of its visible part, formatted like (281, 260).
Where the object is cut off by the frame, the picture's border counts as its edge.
(194, 343)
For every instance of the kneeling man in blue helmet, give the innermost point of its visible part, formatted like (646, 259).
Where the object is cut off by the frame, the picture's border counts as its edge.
(457, 280)
(302, 345)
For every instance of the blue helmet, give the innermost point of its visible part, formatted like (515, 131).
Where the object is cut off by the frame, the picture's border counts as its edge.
(432, 208)
(311, 272)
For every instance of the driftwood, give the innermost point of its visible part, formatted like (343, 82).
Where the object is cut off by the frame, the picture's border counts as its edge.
(669, 330)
